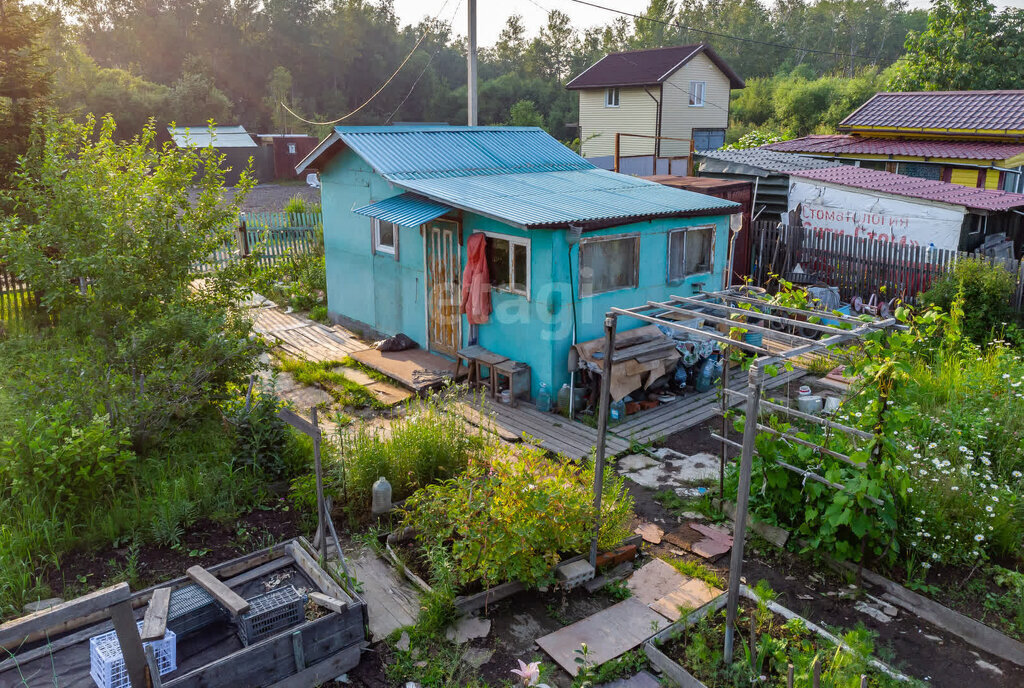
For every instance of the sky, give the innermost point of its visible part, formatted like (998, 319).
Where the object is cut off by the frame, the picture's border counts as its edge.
(491, 14)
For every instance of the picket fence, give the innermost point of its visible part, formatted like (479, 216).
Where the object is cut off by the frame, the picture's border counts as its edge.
(266, 238)
(858, 266)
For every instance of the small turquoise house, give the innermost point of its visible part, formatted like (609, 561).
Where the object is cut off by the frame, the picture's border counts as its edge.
(565, 240)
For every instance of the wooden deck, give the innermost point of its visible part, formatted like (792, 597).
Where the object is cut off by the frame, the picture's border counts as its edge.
(576, 440)
(688, 411)
(305, 339)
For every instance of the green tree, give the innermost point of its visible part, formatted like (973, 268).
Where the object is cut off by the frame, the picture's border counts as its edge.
(967, 45)
(24, 81)
(524, 114)
(279, 90)
(193, 100)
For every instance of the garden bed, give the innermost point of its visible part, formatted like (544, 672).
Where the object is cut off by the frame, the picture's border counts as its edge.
(782, 637)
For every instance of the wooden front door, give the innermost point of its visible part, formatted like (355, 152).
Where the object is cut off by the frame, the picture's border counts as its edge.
(442, 257)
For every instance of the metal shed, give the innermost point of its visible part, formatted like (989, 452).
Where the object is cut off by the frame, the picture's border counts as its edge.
(767, 170)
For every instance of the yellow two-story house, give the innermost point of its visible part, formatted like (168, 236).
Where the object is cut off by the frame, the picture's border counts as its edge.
(680, 92)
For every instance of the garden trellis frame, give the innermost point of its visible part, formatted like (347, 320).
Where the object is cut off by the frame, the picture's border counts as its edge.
(733, 307)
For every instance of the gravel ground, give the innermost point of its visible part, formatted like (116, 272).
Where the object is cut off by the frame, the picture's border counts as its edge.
(273, 197)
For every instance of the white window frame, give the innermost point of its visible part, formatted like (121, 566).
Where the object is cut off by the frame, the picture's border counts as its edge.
(703, 87)
(682, 232)
(611, 97)
(635, 237)
(292, 149)
(514, 241)
(378, 247)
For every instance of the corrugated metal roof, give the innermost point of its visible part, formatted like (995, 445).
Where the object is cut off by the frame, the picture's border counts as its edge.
(518, 175)
(990, 111)
(220, 137)
(844, 144)
(762, 160)
(647, 67)
(913, 187)
(424, 152)
(407, 209)
(533, 199)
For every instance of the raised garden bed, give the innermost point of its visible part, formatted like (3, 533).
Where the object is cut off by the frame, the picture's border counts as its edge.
(692, 643)
(325, 644)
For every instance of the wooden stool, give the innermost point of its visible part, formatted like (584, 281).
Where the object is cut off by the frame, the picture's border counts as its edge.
(518, 375)
(477, 356)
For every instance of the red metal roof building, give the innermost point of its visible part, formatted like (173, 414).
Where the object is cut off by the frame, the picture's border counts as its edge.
(842, 145)
(982, 114)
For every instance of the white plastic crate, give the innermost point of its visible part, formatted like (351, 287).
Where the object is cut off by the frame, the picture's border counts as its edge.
(106, 665)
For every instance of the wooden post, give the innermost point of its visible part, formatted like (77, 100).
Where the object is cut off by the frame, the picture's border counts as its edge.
(243, 238)
(154, 680)
(742, 501)
(863, 681)
(610, 320)
(816, 673)
(321, 507)
(615, 163)
(789, 676)
(131, 644)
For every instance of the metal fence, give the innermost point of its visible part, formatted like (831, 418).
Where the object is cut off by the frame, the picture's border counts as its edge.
(857, 266)
(269, 238)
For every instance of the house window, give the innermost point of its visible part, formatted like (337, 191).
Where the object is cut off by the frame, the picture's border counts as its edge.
(708, 139)
(609, 264)
(385, 237)
(611, 97)
(697, 93)
(291, 149)
(508, 262)
(690, 252)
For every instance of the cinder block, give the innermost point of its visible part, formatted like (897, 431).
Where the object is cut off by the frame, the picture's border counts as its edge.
(574, 573)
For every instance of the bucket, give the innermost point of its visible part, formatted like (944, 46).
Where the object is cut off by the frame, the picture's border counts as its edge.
(804, 390)
(810, 404)
(755, 338)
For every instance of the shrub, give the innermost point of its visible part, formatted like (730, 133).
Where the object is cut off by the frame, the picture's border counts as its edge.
(264, 442)
(985, 289)
(68, 465)
(514, 515)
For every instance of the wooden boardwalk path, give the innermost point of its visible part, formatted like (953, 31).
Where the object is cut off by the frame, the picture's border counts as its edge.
(306, 339)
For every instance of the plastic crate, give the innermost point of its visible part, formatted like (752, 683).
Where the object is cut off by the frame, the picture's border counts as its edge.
(192, 608)
(271, 612)
(106, 664)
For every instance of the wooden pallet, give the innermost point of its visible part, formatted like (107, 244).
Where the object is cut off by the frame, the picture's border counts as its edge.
(305, 339)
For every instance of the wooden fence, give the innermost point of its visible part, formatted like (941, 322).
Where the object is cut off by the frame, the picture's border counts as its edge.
(269, 237)
(857, 266)
(16, 299)
(266, 237)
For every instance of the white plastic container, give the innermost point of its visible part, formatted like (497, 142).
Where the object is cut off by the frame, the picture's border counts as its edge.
(381, 497)
(810, 404)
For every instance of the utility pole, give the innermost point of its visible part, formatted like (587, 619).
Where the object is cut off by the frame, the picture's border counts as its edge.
(471, 71)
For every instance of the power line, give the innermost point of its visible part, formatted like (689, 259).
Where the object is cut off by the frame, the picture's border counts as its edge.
(722, 35)
(378, 91)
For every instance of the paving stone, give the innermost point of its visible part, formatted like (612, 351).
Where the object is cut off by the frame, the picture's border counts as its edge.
(468, 628)
(654, 580)
(642, 680)
(403, 642)
(607, 634)
(872, 611)
(634, 462)
(476, 657)
(650, 533)
(691, 595)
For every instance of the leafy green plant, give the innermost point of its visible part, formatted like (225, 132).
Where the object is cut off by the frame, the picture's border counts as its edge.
(695, 569)
(985, 288)
(513, 515)
(263, 441)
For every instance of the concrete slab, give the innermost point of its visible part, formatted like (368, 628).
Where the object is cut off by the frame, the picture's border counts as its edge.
(468, 628)
(607, 634)
(654, 580)
(634, 462)
(642, 680)
(650, 533)
(691, 595)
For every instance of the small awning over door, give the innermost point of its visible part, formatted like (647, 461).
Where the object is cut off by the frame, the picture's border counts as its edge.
(407, 210)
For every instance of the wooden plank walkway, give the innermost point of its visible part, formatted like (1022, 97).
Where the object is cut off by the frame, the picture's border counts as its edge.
(553, 432)
(688, 411)
(302, 338)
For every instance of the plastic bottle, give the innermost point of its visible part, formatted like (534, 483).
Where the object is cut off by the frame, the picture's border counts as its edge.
(563, 398)
(617, 410)
(381, 497)
(544, 398)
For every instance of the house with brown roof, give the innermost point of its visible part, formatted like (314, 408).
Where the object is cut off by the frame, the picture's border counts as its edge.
(679, 92)
(970, 138)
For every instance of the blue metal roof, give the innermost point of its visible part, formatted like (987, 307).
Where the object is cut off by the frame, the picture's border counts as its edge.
(517, 175)
(425, 152)
(407, 209)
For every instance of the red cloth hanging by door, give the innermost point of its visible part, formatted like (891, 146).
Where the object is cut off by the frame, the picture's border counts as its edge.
(476, 282)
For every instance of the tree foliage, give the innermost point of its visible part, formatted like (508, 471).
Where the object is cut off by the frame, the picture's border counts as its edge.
(24, 80)
(967, 45)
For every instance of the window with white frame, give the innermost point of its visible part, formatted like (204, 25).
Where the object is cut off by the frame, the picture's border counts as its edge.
(608, 264)
(291, 149)
(691, 251)
(611, 97)
(697, 93)
(508, 262)
(385, 237)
